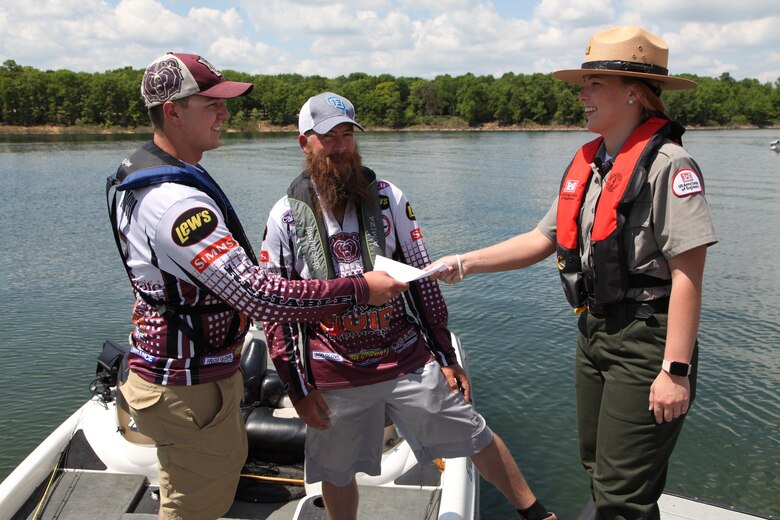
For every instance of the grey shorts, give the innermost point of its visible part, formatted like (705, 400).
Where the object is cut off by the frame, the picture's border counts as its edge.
(434, 421)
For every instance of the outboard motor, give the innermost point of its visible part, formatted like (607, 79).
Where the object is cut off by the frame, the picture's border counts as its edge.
(107, 372)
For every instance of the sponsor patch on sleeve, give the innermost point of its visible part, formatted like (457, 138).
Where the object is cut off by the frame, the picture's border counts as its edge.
(416, 234)
(192, 226)
(686, 182)
(206, 257)
(264, 257)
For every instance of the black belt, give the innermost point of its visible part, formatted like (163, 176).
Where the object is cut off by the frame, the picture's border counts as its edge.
(629, 308)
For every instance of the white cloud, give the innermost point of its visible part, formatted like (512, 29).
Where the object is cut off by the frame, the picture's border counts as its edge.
(736, 47)
(400, 37)
(290, 18)
(243, 55)
(575, 12)
(719, 11)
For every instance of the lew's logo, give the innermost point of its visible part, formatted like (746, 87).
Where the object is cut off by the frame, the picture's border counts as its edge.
(192, 226)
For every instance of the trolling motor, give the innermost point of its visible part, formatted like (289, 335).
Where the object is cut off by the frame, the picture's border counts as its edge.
(109, 365)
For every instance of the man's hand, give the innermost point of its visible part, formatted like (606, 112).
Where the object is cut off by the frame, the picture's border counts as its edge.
(382, 287)
(458, 380)
(313, 410)
(669, 397)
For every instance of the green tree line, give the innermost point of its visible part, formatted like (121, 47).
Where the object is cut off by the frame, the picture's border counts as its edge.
(29, 97)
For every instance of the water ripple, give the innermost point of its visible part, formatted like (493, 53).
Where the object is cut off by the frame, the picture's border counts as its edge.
(64, 293)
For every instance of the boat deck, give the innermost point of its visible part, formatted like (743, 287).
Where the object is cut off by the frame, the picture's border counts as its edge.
(76, 495)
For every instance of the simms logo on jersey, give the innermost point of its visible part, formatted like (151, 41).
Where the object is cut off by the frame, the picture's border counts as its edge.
(212, 252)
(192, 226)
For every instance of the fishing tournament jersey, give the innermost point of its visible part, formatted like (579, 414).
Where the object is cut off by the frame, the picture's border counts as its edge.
(367, 344)
(196, 287)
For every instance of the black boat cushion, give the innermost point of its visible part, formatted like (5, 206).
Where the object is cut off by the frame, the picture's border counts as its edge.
(273, 438)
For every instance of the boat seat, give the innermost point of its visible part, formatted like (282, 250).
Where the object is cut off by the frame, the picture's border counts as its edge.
(274, 434)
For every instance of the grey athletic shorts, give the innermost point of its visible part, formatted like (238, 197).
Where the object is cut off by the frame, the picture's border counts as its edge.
(436, 422)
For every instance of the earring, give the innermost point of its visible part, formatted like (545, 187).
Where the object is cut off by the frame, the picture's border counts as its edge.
(630, 101)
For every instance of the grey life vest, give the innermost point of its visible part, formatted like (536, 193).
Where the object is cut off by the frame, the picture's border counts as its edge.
(312, 232)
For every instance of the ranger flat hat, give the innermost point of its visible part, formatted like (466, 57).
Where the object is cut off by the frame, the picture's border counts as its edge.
(626, 50)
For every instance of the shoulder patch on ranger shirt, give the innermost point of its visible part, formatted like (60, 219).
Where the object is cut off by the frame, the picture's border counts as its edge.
(192, 226)
(686, 182)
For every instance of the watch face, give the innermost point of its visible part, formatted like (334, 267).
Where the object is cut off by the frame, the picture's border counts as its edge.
(679, 369)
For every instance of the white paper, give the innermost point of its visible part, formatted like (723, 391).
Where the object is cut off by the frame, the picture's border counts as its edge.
(403, 272)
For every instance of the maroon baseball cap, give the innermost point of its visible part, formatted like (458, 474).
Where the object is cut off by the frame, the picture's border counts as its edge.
(176, 75)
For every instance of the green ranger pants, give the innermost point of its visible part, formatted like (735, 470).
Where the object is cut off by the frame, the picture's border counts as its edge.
(625, 453)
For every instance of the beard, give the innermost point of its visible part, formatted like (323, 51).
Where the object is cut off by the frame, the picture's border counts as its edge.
(339, 178)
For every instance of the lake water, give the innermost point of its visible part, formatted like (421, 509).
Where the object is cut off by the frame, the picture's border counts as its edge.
(63, 291)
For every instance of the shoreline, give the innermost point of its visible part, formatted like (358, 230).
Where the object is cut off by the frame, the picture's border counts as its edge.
(268, 128)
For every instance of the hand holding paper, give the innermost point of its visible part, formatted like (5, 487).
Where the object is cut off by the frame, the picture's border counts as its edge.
(403, 272)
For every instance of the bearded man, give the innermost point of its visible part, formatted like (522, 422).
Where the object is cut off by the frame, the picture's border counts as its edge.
(397, 358)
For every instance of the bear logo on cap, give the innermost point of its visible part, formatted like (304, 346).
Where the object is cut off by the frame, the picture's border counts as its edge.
(162, 80)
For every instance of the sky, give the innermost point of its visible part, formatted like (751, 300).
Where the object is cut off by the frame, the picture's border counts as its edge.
(413, 38)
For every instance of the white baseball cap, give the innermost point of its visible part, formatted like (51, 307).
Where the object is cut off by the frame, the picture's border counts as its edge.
(324, 111)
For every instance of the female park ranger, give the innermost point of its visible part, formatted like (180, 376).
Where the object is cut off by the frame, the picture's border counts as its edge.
(630, 227)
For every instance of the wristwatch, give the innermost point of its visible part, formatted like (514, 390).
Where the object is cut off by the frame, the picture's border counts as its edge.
(676, 368)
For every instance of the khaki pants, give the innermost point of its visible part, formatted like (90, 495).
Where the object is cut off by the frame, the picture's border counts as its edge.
(625, 453)
(201, 442)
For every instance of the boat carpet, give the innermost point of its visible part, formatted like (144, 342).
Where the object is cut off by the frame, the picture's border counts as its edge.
(383, 502)
(239, 511)
(80, 454)
(81, 495)
(421, 475)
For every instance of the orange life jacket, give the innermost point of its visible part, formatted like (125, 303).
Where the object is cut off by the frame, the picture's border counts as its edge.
(610, 280)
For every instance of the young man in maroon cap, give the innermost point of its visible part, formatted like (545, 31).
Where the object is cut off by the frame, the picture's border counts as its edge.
(197, 287)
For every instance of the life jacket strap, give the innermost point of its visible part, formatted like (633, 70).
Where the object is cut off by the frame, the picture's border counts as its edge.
(640, 310)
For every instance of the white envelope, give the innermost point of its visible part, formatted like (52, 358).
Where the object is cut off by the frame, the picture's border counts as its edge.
(403, 272)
